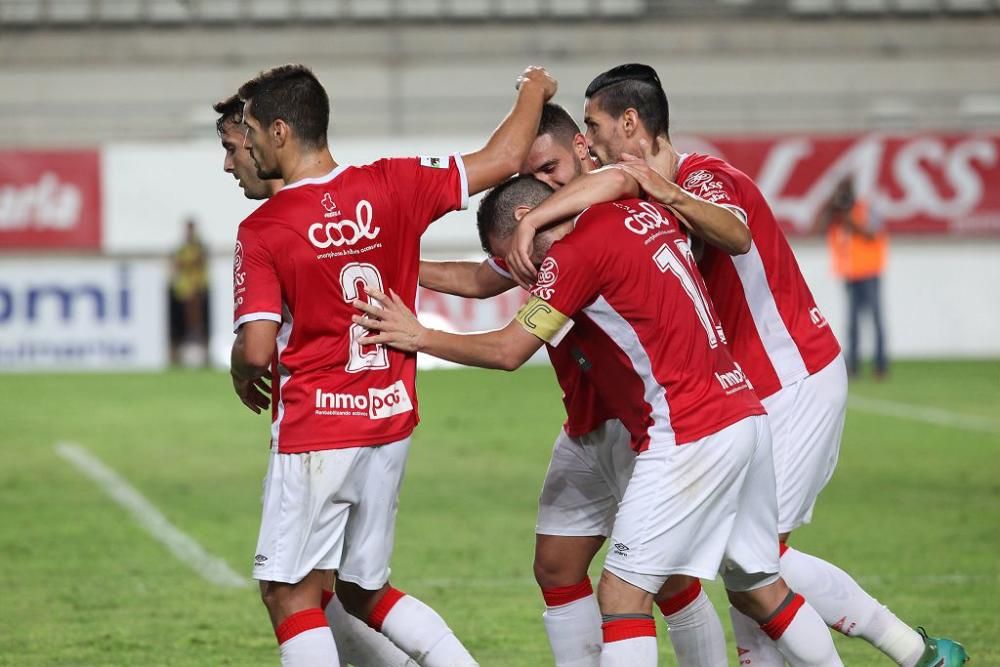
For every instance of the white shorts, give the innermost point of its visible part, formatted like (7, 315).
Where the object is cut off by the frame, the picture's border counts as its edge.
(700, 509)
(586, 480)
(333, 509)
(807, 422)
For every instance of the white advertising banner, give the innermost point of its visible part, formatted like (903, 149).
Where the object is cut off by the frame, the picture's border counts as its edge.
(82, 314)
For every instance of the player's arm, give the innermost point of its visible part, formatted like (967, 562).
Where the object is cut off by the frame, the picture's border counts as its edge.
(250, 362)
(472, 280)
(601, 185)
(395, 325)
(509, 144)
(721, 226)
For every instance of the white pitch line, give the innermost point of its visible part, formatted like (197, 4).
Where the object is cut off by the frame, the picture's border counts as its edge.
(925, 414)
(186, 549)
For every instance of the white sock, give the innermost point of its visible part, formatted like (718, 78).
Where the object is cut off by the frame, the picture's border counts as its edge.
(753, 647)
(419, 631)
(305, 640)
(694, 628)
(802, 636)
(573, 624)
(629, 642)
(358, 644)
(848, 609)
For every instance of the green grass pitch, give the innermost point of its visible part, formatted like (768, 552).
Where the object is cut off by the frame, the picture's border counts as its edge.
(913, 511)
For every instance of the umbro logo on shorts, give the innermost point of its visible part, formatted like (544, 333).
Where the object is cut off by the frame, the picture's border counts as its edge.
(621, 550)
(259, 560)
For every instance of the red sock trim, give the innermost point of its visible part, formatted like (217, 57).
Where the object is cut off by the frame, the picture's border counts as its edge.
(560, 595)
(782, 548)
(777, 625)
(299, 622)
(675, 603)
(325, 598)
(384, 606)
(628, 628)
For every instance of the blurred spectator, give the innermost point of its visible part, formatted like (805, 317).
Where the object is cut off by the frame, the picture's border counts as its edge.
(858, 242)
(189, 301)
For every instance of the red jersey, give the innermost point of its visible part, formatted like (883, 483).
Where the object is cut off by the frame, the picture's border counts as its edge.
(775, 330)
(584, 409)
(303, 257)
(623, 294)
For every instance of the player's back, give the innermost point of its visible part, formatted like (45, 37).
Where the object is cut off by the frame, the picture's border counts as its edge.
(776, 330)
(303, 257)
(647, 335)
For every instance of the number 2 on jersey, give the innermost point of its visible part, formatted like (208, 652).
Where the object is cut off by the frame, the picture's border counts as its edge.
(354, 277)
(670, 260)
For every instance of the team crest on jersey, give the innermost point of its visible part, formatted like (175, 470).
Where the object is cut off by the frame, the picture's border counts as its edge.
(697, 178)
(331, 207)
(548, 273)
(435, 162)
(239, 276)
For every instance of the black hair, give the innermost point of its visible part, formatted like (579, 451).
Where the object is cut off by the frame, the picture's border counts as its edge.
(293, 94)
(495, 217)
(557, 122)
(230, 112)
(633, 86)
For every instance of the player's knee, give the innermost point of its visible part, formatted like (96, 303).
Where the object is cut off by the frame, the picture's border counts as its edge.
(553, 572)
(357, 601)
(674, 585)
(270, 595)
(758, 602)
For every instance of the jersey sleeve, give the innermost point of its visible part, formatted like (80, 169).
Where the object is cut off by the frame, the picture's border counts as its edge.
(499, 266)
(563, 287)
(427, 187)
(256, 290)
(718, 187)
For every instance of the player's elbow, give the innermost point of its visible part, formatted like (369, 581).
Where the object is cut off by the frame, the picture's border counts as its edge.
(620, 184)
(510, 359)
(741, 241)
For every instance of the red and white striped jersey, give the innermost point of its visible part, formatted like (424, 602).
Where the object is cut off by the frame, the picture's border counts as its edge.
(623, 294)
(301, 260)
(775, 330)
(585, 411)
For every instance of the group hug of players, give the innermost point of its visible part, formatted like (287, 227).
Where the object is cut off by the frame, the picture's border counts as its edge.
(705, 393)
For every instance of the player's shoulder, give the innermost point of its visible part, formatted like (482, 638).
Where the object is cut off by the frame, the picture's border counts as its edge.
(696, 169)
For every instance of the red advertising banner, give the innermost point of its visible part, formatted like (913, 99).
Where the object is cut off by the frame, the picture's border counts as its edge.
(936, 183)
(50, 200)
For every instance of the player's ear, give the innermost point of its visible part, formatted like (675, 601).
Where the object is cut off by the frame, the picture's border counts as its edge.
(280, 132)
(580, 149)
(521, 211)
(630, 121)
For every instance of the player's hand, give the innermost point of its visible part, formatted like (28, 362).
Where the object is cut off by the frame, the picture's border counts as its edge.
(392, 324)
(255, 394)
(538, 76)
(653, 172)
(519, 258)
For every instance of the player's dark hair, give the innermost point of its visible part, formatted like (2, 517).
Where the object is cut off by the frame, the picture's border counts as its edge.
(495, 217)
(230, 112)
(632, 86)
(293, 94)
(557, 122)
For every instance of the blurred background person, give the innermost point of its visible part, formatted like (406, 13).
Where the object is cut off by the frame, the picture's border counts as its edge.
(858, 245)
(189, 300)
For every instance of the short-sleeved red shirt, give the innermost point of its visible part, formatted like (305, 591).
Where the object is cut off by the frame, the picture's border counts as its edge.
(303, 257)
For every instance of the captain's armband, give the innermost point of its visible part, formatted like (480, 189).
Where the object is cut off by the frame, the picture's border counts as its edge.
(543, 321)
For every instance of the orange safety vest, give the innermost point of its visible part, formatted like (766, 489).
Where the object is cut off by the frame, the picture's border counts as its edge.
(856, 257)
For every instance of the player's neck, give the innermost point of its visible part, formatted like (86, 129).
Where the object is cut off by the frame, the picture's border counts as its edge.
(675, 161)
(309, 164)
